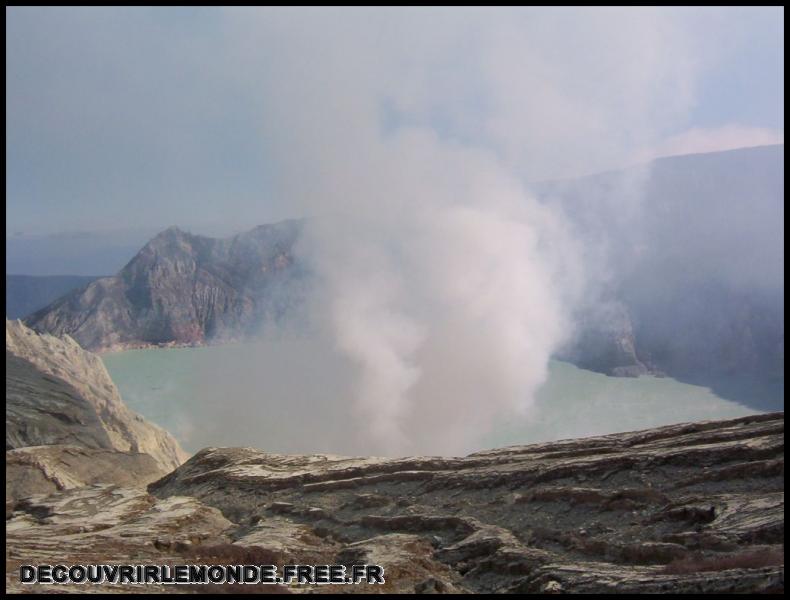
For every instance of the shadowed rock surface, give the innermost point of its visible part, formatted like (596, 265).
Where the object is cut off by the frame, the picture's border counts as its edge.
(611, 513)
(42, 409)
(58, 393)
(604, 514)
(605, 342)
(695, 248)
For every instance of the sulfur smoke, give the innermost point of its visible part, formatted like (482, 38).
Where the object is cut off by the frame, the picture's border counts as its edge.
(444, 286)
(448, 295)
(415, 142)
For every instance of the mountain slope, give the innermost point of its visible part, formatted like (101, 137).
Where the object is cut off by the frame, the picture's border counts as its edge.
(25, 294)
(184, 289)
(73, 253)
(49, 469)
(694, 247)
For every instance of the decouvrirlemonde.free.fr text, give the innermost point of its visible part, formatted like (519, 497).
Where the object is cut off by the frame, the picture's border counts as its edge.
(201, 574)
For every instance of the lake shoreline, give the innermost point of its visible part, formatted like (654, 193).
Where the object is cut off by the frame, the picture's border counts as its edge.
(289, 396)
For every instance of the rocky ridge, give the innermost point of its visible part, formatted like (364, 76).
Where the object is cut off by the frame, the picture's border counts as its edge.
(59, 394)
(694, 507)
(183, 289)
(588, 515)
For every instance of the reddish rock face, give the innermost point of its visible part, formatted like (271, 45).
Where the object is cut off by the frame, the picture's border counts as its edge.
(182, 289)
(188, 333)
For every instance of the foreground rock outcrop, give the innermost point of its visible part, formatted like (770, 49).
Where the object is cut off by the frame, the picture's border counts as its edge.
(105, 523)
(686, 508)
(58, 393)
(66, 425)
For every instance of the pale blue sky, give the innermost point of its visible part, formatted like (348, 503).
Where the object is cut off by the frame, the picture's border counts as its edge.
(143, 118)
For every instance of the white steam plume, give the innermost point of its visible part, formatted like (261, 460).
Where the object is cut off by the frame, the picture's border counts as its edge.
(411, 131)
(448, 296)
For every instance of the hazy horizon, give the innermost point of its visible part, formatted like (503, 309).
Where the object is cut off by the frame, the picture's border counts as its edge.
(212, 230)
(72, 252)
(152, 116)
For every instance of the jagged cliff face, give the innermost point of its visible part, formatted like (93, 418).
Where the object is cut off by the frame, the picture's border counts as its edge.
(182, 289)
(686, 508)
(694, 256)
(59, 394)
(605, 342)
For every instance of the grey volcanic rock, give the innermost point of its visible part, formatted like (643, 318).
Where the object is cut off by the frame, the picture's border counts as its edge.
(694, 252)
(58, 393)
(105, 524)
(48, 469)
(631, 512)
(605, 342)
(588, 515)
(708, 328)
(69, 438)
(42, 409)
(183, 289)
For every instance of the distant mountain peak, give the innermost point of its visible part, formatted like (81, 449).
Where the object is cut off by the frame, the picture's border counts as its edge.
(172, 231)
(180, 288)
(169, 238)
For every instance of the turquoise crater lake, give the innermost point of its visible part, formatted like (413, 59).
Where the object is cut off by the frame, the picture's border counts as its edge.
(243, 395)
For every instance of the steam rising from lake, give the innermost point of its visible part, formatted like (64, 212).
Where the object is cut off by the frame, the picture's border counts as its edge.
(444, 286)
(447, 295)
(241, 395)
